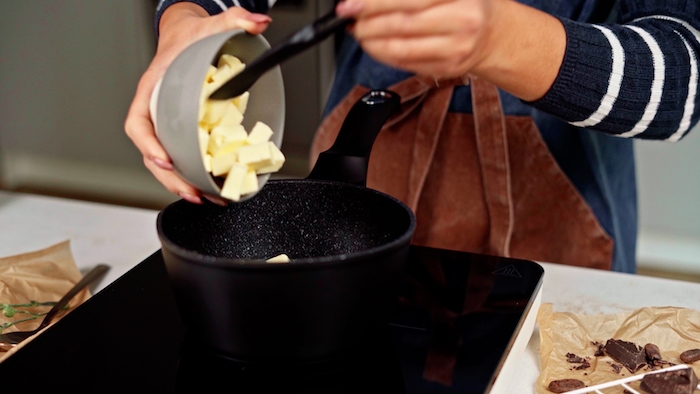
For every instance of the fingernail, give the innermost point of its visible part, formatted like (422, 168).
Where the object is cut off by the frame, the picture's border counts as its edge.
(190, 197)
(217, 201)
(162, 163)
(349, 8)
(258, 18)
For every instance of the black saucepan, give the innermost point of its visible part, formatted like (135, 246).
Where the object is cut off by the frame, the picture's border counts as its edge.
(348, 245)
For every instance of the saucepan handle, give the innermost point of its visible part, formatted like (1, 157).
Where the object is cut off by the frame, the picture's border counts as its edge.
(347, 160)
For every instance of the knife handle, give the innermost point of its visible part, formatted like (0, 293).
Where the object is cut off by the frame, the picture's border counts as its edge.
(87, 279)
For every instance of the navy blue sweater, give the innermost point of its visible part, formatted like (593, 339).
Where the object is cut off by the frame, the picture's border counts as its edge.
(636, 76)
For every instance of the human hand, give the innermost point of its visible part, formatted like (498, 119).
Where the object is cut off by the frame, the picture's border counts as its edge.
(181, 24)
(517, 47)
(437, 38)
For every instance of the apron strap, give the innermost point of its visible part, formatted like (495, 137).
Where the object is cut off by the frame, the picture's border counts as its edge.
(492, 145)
(415, 93)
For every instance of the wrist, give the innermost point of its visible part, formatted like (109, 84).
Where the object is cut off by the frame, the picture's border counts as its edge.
(523, 50)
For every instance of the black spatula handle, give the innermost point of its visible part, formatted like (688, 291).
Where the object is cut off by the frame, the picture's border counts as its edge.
(306, 37)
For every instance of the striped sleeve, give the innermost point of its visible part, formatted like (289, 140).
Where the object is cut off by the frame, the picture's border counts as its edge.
(214, 7)
(638, 79)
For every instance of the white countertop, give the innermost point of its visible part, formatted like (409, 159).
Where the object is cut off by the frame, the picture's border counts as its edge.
(122, 237)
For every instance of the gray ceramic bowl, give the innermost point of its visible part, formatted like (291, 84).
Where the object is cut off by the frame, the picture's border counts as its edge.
(175, 103)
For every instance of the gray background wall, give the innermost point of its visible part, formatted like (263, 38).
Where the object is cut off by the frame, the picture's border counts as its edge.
(68, 70)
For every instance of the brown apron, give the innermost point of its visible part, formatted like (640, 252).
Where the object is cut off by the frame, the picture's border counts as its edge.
(483, 183)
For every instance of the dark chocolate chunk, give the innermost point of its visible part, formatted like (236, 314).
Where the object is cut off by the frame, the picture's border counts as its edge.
(681, 381)
(572, 358)
(690, 356)
(564, 385)
(629, 354)
(653, 353)
(598, 350)
(616, 367)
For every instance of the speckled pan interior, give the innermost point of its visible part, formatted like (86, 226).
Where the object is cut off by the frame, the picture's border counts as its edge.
(301, 218)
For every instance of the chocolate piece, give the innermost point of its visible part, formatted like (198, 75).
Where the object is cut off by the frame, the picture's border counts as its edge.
(629, 354)
(616, 367)
(653, 353)
(598, 350)
(572, 358)
(690, 356)
(564, 385)
(681, 381)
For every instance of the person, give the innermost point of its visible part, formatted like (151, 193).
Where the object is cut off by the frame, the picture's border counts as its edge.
(515, 135)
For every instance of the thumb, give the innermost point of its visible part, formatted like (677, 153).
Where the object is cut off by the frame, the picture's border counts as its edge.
(240, 18)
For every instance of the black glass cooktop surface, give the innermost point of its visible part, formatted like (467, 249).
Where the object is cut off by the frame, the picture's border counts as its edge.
(449, 332)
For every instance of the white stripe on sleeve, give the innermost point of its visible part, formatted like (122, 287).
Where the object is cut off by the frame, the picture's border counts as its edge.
(681, 22)
(692, 91)
(222, 5)
(657, 84)
(614, 82)
(692, 82)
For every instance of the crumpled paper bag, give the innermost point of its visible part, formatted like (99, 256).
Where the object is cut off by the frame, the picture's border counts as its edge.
(674, 330)
(43, 276)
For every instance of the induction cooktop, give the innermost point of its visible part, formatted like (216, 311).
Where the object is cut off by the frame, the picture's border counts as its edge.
(458, 326)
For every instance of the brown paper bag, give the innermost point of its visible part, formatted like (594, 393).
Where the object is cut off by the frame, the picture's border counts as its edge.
(672, 329)
(43, 276)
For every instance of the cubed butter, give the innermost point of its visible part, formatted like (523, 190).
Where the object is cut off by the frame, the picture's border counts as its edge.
(207, 162)
(255, 156)
(234, 181)
(232, 62)
(250, 182)
(280, 258)
(259, 133)
(231, 116)
(215, 142)
(230, 133)
(214, 110)
(203, 136)
(221, 76)
(242, 102)
(210, 72)
(221, 164)
(222, 137)
(227, 149)
(276, 160)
